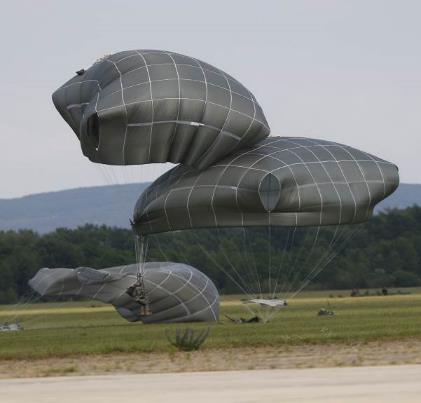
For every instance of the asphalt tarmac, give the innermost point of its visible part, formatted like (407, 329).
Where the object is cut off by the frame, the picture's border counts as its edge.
(355, 384)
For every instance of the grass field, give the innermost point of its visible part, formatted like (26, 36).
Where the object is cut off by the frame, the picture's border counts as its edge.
(83, 328)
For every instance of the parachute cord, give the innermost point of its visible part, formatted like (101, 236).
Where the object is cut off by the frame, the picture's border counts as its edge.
(224, 271)
(337, 250)
(270, 257)
(20, 306)
(308, 259)
(26, 319)
(242, 287)
(251, 261)
(34, 298)
(104, 173)
(141, 246)
(245, 287)
(164, 255)
(184, 258)
(112, 172)
(293, 256)
(251, 279)
(249, 264)
(324, 262)
(291, 261)
(281, 263)
(303, 265)
(59, 304)
(15, 307)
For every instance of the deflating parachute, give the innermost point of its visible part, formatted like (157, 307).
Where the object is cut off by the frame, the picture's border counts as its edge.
(177, 292)
(280, 181)
(144, 106)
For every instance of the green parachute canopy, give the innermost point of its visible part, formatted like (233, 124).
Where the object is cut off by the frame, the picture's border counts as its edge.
(145, 106)
(280, 181)
(177, 292)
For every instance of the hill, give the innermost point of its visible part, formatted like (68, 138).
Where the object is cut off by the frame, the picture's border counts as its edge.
(405, 196)
(108, 205)
(112, 206)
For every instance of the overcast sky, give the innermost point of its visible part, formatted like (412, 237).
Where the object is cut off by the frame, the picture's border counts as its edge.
(347, 71)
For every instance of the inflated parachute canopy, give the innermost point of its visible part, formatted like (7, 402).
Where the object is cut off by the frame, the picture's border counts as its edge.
(280, 181)
(145, 106)
(177, 292)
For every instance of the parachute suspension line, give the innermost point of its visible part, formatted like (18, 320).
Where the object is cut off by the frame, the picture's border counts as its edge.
(138, 289)
(155, 237)
(240, 278)
(298, 254)
(251, 258)
(291, 261)
(342, 244)
(286, 259)
(249, 264)
(161, 251)
(186, 260)
(140, 250)
(223, 270)
(241, 286)
(260, 311)
(30, 300)
(120, 175)
(220, 242)
(293, 256)
(263, 312)
(20, 306)
(309, 259)
(244, 289)
(105, 175)
(31, 318)
(281, 263)
(251, 277)
(328, 257)
(270, 257)
(111, 174)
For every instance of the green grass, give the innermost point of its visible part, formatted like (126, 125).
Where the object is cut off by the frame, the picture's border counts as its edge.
(71, 329)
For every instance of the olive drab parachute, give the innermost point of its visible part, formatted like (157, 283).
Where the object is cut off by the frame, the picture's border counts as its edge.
(280, 181)
(177, 292)
(145, 106)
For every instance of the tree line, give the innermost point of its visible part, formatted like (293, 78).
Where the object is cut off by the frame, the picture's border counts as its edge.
(384, 252)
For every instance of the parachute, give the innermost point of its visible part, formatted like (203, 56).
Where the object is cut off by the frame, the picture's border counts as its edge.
(280, 181)
(144, 106)
(177, 292)
(234, 185)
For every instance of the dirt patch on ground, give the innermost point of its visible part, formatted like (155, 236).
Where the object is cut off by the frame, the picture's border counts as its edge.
(307, 356)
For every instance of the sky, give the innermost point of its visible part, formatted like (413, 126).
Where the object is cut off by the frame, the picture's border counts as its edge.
(346, 71)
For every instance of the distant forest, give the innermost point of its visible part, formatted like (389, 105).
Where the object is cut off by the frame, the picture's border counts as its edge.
(384, 252)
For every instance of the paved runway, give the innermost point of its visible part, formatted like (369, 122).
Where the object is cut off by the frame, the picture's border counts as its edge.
(357, 384)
